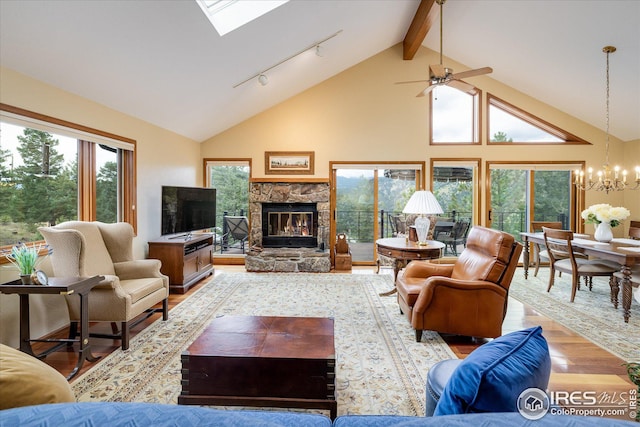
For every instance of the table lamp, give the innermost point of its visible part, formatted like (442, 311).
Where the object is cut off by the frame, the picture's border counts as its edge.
(424, 203)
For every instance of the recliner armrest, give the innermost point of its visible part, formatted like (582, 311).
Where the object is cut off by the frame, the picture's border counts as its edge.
(424, 269)
(138, 269)
(442, 285)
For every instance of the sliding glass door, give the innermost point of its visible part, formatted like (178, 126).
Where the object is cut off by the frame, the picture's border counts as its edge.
(521, 193)
(366, 197)
(456, 185)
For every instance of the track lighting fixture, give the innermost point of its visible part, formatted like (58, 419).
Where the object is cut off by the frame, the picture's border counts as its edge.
(262, 78)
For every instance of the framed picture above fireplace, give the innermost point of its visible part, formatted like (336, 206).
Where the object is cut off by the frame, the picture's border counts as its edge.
(288, 162)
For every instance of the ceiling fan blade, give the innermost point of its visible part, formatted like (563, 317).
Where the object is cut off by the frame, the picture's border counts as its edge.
(426, 91)
(472, 73)
(438, 70)
(412, 81)
(462, 86)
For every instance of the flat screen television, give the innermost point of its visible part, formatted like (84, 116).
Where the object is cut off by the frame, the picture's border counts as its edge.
(187, 209)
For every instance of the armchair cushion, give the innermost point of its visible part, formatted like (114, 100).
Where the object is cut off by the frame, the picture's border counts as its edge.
(492, 377)
(486, 258)
(140, 288)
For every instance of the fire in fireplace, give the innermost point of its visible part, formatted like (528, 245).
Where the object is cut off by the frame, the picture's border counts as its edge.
(290, 225)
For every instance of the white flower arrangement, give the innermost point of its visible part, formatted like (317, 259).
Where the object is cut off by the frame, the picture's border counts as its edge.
(595, 214)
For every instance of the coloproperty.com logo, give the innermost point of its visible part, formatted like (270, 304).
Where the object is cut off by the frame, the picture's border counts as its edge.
(534, 403)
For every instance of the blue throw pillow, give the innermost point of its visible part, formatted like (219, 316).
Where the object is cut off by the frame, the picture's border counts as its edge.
(492, 377)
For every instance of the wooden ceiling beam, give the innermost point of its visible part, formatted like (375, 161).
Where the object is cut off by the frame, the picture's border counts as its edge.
(422, 22)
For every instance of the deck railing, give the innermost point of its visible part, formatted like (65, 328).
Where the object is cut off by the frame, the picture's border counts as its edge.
(358, 224)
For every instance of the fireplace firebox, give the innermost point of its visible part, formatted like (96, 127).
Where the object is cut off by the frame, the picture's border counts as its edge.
(289, 225)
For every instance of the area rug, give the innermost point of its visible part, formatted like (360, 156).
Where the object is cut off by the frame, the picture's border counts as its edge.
(380, 369)
(591, 315)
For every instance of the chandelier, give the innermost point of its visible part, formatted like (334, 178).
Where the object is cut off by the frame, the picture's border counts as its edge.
(606, 179)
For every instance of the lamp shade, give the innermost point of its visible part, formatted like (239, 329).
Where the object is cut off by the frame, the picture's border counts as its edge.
(423, 202)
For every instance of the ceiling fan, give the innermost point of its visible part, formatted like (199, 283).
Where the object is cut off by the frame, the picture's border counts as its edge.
(440, 75)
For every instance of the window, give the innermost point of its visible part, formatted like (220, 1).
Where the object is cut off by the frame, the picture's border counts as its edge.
(456, 185)
(454, 116)
(230, 178)
(509, 124)
(53, 171)
(369, 198)
(227, 15)
(525, 192)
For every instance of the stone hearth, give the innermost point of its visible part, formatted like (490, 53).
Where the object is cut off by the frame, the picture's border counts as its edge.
(314, 260)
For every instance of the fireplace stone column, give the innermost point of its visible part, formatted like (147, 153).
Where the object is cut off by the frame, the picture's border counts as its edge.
(314, 260)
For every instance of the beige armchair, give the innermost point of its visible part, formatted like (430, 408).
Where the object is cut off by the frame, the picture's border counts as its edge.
(131, 287)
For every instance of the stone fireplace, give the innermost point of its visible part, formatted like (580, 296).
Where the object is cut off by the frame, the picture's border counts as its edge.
(289, 227)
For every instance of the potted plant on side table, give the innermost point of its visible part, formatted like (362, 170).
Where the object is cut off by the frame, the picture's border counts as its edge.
(26, 259)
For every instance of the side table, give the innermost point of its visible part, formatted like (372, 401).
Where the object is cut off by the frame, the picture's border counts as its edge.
(403, 250)
(80, 286)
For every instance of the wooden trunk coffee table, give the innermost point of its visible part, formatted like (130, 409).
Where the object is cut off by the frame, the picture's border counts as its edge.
(285, 362)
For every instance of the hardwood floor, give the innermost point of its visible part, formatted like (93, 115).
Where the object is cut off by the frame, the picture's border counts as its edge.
(577, 364)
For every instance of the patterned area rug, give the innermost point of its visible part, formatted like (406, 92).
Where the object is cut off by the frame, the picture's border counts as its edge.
(591, 315)
(380, 368)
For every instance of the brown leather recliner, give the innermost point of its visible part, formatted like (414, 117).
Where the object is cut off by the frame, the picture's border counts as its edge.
(466, 298)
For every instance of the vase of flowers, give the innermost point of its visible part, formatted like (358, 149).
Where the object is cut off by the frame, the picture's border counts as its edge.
(26, 259)
(605, 217)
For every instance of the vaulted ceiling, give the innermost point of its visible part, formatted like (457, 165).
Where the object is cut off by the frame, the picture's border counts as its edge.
(164, 63)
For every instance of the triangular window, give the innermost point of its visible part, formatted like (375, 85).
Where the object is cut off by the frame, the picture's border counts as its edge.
(509, 124)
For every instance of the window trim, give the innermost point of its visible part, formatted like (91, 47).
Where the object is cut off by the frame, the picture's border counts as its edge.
(567, 137)
(86, 171)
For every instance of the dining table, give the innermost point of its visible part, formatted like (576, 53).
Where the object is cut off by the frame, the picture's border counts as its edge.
(624, 251)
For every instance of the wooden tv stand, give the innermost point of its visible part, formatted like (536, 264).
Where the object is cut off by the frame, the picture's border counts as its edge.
(185, 258)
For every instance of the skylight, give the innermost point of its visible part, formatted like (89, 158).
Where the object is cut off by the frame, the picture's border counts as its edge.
(227, 15)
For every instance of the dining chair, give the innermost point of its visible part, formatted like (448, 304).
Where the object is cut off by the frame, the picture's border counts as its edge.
(634, 230)
(563, 259)
(458, 236)
(539, 253)
(398, 225)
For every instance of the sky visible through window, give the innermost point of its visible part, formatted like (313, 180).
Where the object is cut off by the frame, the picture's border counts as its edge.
(452, 115)
(67, 146)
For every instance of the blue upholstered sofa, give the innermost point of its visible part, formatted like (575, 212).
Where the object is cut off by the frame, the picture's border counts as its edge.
(114, 414)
